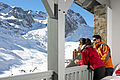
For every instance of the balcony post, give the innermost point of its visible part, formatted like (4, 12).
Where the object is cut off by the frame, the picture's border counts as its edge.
(56, 35)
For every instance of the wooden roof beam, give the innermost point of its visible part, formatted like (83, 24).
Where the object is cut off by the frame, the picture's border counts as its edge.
(105, 2)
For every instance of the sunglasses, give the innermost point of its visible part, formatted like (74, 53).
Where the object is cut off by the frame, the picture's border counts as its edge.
(80, 43)
(94, 39)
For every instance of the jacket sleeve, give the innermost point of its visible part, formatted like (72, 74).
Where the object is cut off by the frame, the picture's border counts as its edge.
(104, 52)
(85, 55)
(80, 62)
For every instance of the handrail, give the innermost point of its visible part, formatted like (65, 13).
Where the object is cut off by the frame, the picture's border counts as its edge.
(78, 73)
(75, 69)
(71, 73)
(31, 76)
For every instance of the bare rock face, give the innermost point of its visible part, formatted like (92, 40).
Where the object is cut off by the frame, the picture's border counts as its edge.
(16, 16)
(4, 8)
(73, 20)
(19, 13)
(16, 20)
(37, 14)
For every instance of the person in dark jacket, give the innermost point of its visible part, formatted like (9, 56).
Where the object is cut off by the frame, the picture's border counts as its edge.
(91, 58)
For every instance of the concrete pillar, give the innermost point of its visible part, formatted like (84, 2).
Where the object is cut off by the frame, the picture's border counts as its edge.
(115, 4)
(109, 28)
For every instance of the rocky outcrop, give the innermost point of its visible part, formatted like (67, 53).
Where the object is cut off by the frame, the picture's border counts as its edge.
(16, 16)
(72, 21)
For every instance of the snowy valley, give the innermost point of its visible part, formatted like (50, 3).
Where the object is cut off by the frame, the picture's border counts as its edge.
(23, 39)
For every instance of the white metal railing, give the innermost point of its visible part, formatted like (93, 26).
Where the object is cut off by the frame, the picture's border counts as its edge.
(32, 76)
(78, 73)
(71, 73)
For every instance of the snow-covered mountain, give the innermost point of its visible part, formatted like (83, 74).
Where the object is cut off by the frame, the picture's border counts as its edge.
(23, 38)
(72, 20)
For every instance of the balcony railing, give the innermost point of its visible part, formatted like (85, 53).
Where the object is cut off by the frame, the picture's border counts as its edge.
(33, 76)
(71, 73)
(78, 73)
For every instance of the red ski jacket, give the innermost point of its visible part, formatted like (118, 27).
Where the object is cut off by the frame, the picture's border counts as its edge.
(90, 56)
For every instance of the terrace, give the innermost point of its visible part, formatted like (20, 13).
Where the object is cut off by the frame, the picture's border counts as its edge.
(108, 27)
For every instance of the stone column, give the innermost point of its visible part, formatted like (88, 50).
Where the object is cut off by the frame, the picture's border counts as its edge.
(100, 21)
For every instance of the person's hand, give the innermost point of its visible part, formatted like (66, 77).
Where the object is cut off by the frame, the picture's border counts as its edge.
(76, 61)
(78, 54)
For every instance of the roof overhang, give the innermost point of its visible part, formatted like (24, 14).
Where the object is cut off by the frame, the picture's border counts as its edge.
(89, 4)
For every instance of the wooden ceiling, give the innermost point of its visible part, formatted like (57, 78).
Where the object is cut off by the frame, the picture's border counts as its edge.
(89, 4)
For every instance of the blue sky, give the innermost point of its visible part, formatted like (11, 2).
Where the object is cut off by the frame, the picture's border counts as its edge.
(36, 5)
